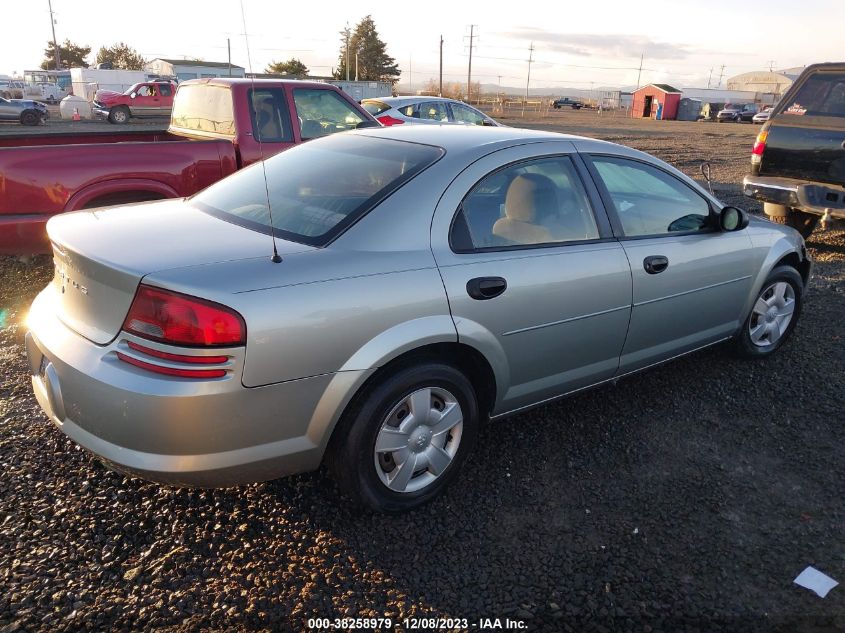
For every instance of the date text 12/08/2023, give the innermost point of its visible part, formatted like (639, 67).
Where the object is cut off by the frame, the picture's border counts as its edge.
(414, 624)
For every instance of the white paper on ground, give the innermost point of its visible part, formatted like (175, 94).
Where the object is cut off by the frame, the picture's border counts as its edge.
(814, 580)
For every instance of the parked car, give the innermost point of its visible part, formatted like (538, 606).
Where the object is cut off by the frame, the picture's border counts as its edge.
(568, 103)
(798, 160)
(762, 116)
(24, 111)
(217, 126)
(737, 113)
(397, 110)
(12, 89)
(150, 99)
(393, 321)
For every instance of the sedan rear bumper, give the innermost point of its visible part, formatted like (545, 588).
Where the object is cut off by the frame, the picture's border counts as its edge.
(817, 198)
(206, 433)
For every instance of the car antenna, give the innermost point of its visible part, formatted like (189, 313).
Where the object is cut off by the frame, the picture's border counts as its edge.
(276, 258)
(705, 171)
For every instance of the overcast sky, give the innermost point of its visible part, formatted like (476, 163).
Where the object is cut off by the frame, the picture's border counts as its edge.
(575, 43)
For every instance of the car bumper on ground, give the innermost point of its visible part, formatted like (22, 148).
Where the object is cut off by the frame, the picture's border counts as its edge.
(207, 433)
(817, 198)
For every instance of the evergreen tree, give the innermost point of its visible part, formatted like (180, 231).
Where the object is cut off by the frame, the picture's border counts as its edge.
(122, 56)
(72, 55)
(293, 67)
(374, 64)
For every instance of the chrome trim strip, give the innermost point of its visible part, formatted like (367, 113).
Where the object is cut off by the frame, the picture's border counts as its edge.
(569, 320)
(687, 292)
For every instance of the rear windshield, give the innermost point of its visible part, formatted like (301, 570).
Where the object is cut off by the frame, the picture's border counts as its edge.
(375, 107)
(204, 108)
(317, 189)
(822, 94)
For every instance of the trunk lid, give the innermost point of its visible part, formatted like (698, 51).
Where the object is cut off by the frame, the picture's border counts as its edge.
(101, 256)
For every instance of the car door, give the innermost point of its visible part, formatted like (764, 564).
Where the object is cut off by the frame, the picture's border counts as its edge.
(690, 280)
(7, 111)
(143, 102)
(165, 99)
(534, 278)
(432, 112)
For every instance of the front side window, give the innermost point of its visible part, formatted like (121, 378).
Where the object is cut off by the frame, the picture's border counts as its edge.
(649, 201)
(270, 122)
(165, 90)
(323, 112)
(465, 114)
(316, 189)
(535, 202)
(145, 91)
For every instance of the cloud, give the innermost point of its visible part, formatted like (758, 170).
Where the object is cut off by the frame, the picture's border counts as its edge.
(600, 44)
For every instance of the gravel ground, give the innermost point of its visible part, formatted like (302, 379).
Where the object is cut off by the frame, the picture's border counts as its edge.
(683, 499)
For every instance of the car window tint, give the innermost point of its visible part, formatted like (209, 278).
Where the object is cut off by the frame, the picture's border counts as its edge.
(375, 107)
(433, 111)
(410, 110)
(316, 189)
(536, 202)
(465, 114)
(650, 201)
(323, 112)
(822, 94)
(165, 90)
(270, 121)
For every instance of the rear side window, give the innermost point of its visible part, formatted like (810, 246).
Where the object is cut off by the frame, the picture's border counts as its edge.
(322, 112)
(375, 107)
(270, 121)
(821, 94)
(204, 108)
(317, 189)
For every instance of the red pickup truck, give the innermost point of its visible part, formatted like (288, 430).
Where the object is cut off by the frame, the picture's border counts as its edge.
(217, 126)
(154, 98)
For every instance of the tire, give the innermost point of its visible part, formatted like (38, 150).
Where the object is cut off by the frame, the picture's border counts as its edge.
(119, 114)
(803, 222)
(388, 481)
(768, 326)
(30, 117)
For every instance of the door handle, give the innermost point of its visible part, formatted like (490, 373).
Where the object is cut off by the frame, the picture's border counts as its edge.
(482, 288)
(654, 264)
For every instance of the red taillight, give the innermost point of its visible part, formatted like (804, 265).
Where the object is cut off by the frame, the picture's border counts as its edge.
(759, 144)
(388, 120)
(171, 317)
(178, 358)
(172, 371)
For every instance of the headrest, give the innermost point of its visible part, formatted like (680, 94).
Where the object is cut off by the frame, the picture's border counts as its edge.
(530, 197)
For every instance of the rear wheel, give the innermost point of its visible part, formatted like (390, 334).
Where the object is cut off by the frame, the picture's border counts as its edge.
(773, 315)
(404, 442)
(804, 223)
(119, 114)
(30, 117)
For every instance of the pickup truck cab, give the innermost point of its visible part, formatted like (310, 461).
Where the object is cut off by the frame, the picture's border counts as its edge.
(153, 98)
(217, 126)
(798, 160)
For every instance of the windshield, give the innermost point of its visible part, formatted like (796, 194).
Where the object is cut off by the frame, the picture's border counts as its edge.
(317, 189)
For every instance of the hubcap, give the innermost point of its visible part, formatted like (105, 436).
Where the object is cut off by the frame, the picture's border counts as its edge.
(772, 314)
(418, 439)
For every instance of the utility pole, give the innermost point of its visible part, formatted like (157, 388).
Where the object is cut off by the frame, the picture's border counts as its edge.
(347, 51)
(356, 65)
(771, 65)
(440, 90)
(469, 68)
(528, 81)
(640, 72)
(58, 55)
(229, 49)
(411, 73)
(709, 77)
(721, 74)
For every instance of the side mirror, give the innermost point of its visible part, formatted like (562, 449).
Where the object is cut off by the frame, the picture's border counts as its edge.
(365, 124)
(133, 95)
(488, 122)
(732, 219)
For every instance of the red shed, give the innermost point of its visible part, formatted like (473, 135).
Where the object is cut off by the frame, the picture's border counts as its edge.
(648, 99)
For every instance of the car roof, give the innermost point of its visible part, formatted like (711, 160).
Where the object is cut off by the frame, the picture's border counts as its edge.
(398, 101)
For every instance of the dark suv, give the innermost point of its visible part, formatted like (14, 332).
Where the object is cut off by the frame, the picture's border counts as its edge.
(736, 112)
(798, 160)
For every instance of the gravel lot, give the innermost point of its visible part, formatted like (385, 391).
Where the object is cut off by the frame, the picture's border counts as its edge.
(683, 499)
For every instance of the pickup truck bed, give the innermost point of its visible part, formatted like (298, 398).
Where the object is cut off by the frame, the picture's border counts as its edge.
(58, 173)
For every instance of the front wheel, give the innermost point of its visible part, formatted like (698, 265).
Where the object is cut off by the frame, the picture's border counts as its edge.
(119, 114)
(30, 117)
(773, 315)
(406, 440)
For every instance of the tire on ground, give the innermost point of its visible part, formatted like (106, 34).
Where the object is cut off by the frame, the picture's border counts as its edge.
(743, 344)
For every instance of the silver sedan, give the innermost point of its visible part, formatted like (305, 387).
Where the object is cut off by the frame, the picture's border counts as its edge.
(403, 286)
(431, 110)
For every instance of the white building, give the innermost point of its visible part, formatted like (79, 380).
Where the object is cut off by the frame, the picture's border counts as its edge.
(184, 69)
